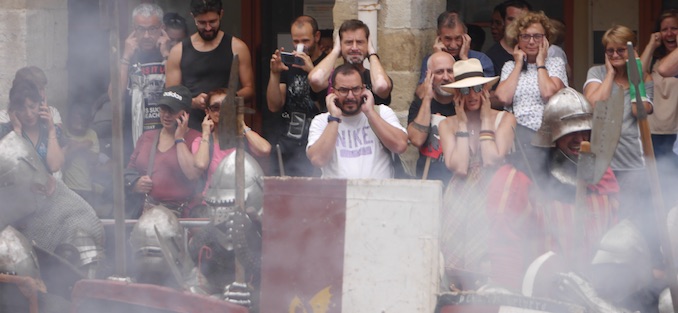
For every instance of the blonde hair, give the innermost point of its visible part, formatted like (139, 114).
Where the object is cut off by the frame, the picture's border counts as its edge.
(513, 30)
(619, 34)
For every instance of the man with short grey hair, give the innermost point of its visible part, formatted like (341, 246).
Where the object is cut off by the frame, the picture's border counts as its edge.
(453, 39)
(142, 70)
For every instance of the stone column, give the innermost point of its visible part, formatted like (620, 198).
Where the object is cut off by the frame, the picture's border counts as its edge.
(35, 32)
(406, 31)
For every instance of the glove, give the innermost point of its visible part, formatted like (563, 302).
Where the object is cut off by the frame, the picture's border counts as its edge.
(641, 84)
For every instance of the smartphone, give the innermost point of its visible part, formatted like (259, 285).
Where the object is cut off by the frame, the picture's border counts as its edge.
(289, 59)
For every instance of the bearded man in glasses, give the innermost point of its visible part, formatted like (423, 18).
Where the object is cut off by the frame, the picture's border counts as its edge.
(142, 71)
(355, 138)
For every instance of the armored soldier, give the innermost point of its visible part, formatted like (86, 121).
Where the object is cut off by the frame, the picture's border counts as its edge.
(535, 214)
(44, 210)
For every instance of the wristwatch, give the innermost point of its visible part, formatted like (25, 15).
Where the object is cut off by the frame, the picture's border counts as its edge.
(331, 118)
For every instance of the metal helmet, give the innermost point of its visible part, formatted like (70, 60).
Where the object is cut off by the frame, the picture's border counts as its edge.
(81, 250)
(17, 256)
(665, 304)
(150, 263)
(21, 172)
(566, 112)
(221, 192)
(624, 246)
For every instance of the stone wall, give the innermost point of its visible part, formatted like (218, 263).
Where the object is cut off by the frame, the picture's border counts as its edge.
(35, 32)
(406, 31)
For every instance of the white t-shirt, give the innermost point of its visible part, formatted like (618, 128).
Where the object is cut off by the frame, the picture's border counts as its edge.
(358, 152)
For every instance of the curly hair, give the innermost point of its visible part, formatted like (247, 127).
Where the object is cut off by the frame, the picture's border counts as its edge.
(513, 30)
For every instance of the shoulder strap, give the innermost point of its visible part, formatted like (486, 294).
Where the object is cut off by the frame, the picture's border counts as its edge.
(497, 120)
(211, 149)
(151, 158)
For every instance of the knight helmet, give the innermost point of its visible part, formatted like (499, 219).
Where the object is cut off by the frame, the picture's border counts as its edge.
(566, 112)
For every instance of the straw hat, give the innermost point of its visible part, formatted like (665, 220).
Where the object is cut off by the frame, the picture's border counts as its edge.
(468, 73)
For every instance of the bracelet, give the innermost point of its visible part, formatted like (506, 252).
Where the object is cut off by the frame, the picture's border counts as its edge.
(486, 138)
(460, 134)
(486, 131)
(180, 140)
(331, 118)
(204, 140)
(420, 127)
(124, 61)
(373, 54)
(245, 130)
(540, 67)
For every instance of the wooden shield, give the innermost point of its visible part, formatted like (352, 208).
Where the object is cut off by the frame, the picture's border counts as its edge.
(605, 132)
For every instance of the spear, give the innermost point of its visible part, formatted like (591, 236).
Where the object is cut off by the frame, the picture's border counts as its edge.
(230, 130)
(651, 165)
(116, 103)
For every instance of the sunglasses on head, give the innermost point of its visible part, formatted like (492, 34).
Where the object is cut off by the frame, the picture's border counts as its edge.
(467, 90)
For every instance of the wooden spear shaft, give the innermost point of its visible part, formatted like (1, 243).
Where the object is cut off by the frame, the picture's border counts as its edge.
(117, 141)
(651, 165)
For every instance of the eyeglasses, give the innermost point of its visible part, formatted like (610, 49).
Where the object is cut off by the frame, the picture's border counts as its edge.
(214, 107)
(343, 91)
(620, 51)
(153, 30)
(527, 37)
(203, 24)
(467, 90)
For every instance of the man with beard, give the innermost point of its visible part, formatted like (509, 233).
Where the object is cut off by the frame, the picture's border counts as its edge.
(143, 71)
(355, 138)
(453, 39)
(425, 115)
(354, 46)
(288, 90)
(202, 62)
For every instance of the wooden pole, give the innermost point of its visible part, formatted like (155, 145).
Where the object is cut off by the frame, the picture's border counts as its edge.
(117, 141)
(651, 166)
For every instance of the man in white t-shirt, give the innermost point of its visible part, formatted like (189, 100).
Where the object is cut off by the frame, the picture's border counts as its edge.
(355, 138)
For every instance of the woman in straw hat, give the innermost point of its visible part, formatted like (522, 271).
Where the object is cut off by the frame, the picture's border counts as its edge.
(474, 142)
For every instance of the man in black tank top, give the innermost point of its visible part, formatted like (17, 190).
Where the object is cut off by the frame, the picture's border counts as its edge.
(354, 46)
(202, 62)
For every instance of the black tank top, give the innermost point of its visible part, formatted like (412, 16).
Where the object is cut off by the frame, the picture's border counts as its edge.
(204, 72)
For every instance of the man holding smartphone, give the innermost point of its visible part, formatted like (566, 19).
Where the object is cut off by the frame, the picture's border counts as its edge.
(356, 137)
(289, 93)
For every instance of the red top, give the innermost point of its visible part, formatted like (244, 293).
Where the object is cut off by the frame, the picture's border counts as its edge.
(170, 184)
(524, 225)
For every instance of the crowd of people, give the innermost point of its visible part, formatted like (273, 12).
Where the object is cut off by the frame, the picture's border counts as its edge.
(501, 130)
